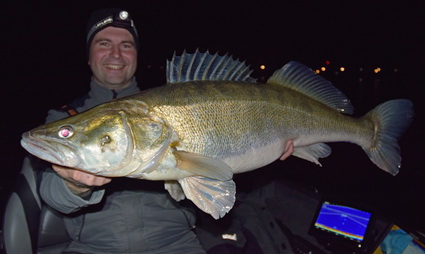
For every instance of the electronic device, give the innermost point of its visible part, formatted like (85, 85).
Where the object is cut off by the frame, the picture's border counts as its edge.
(341, 226)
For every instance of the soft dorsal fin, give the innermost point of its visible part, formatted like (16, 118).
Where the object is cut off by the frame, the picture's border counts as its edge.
(205, 66)
(302, 79)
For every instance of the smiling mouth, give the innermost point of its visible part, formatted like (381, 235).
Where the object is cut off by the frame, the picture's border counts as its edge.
(114, 66)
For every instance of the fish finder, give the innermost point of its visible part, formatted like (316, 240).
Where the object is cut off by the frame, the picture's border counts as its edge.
(341, 226)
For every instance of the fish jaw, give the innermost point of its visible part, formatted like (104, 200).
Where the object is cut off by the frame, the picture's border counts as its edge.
(45, 151)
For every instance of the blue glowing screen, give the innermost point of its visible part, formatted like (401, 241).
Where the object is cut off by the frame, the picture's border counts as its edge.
(343, 221)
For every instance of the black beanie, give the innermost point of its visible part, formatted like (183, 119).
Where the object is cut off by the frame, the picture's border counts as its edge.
(103, 18)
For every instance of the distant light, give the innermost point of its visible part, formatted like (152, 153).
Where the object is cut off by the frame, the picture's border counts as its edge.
(323, 68)
(327, 62)
(360, 69)
(376, 70)
(342, 69)
(317, 71)
(395, 70)
(263, 67)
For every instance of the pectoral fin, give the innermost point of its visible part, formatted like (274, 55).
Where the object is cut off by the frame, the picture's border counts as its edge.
(313, 152)
(212, 196)
(201, 165)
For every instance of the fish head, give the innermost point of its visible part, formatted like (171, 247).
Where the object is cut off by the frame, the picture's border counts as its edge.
(113, 139)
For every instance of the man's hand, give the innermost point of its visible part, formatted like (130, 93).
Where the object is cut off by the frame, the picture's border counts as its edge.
(289, 150)
(79, 182)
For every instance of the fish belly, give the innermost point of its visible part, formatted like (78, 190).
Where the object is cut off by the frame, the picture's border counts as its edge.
(255, 158)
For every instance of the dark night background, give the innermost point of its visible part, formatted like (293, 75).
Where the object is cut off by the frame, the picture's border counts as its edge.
(44, 65)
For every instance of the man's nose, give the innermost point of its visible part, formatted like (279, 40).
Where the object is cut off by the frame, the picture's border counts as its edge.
(116, 51)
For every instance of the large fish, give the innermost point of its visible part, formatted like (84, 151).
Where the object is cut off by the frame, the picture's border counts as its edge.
(212, 120)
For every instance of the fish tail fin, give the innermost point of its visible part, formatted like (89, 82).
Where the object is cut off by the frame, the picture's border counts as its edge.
(390, 120)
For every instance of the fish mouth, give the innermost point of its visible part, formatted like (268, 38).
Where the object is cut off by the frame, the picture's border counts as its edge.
(63, 156)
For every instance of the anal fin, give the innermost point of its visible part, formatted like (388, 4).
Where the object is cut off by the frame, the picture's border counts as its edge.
(313, 152)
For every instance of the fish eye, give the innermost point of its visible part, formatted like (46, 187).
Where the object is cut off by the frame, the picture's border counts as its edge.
(65, 132)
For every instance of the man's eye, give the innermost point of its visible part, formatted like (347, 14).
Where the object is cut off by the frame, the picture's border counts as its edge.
(104, 44)
(127, 46)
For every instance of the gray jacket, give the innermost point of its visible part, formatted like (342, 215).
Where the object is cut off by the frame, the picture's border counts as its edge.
(124, 216)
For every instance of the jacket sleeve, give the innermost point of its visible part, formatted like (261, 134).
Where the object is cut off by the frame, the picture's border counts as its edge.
(57, 195)
(54, 115)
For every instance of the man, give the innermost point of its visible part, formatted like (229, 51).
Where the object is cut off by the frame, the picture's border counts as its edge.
(120, 215)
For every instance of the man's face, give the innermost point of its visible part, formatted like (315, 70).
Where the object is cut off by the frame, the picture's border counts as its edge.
(113, 57)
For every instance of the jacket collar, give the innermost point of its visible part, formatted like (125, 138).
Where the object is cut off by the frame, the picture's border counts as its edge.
(102, 94)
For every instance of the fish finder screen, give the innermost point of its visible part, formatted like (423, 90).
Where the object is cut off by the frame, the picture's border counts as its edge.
(345, 221)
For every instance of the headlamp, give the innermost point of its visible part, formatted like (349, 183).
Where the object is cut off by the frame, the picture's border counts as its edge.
(121, 19)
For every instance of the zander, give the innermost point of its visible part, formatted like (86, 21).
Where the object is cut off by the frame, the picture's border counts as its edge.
(212, 120)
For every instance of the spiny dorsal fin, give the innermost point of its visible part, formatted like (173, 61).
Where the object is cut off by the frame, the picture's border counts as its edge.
(302, 79)
(205, 66)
